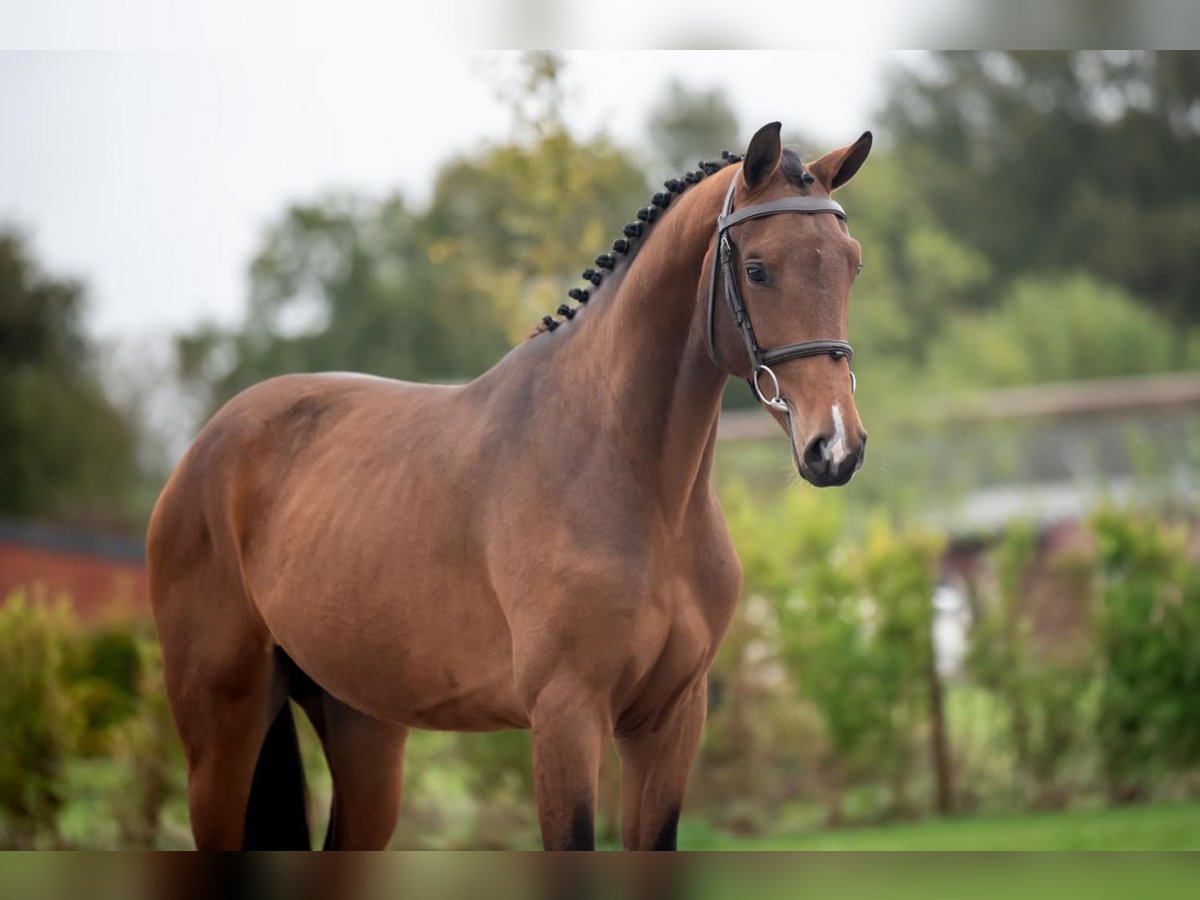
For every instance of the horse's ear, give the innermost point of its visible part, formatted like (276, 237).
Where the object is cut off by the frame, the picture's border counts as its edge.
(763, 155)
(837, 167)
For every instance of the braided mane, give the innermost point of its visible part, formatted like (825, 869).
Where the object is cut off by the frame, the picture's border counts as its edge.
(624, 247)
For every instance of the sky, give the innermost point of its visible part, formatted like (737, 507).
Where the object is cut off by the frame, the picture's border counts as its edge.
(150, 175)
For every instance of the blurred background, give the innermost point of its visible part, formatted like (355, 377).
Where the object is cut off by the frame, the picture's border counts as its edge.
(990, 639)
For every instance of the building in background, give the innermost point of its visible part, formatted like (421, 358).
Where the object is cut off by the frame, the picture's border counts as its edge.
(99, 573)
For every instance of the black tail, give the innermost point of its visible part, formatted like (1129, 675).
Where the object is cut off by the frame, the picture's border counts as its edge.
(277, 815)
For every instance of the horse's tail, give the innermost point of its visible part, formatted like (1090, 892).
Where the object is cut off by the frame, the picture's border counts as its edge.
(277, 814)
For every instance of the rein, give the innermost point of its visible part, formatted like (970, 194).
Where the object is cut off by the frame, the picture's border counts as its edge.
(762, 360)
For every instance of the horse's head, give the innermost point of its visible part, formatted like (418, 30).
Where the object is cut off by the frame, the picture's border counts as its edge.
(780, 295)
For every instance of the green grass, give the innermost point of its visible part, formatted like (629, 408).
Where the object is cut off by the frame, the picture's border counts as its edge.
(1167, 827)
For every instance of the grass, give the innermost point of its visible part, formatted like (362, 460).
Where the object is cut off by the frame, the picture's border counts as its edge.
(1165, 827)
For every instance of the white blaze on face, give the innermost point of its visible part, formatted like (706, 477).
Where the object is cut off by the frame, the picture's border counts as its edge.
(835, 449)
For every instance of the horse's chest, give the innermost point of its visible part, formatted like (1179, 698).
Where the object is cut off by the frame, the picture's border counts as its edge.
(673, 647)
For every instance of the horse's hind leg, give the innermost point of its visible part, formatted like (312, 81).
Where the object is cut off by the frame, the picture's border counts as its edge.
(223, 717)
(366, 761)
(225, 687)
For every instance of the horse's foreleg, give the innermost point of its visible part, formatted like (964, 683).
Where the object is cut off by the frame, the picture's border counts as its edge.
(654, 773)
(569, 733)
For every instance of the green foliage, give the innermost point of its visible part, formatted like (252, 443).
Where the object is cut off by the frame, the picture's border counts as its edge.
(344, 284)
(1044, 690)
(1054, 160)
(104, 672)
(763, 744)
(1056, 329)
(917, 274)
(148, 756)
(1148, 628)
(65, 450)
(686, 124)
(900, 572)
(1148, 828)
(1034, 719)
(854, 628)
(513, 226)
(84, 723)
(37, 723)
(499, 779)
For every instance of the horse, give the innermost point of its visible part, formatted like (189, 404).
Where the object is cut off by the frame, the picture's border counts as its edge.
(538, 548)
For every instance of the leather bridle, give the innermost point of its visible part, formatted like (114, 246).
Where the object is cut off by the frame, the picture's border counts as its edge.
(762, 360)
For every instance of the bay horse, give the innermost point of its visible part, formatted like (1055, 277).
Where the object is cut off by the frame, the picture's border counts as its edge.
(538, 548)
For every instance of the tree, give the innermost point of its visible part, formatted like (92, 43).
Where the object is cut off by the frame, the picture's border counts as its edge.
(436, 294)
(686, 124)
(1056, 328)
(344, 283)
(1061, 160)
(517, 223)
(65, 450)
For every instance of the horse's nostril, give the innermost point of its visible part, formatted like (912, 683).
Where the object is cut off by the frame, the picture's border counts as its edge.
(816, 454)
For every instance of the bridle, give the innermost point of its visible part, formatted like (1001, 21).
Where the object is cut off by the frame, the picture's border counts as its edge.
(762, 360)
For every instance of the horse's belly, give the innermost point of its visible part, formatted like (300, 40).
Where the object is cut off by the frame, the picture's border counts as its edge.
(441, 662)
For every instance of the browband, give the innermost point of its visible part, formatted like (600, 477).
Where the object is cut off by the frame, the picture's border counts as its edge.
(728, 219)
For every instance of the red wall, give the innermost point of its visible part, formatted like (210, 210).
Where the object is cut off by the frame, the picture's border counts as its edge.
(95, 584)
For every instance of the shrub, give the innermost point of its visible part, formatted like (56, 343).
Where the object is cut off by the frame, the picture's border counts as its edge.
(853, 627)
(900, 571)
(146, 752)
(104, 673)
(1148, 626)
(1057, 328)
(37, 723)
(1043, 691)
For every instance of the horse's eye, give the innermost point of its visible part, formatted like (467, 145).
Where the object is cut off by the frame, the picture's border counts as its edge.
(756, 273)
(858, 271)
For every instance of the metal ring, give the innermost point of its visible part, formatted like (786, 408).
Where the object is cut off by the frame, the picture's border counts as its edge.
(853, 383)
(775, 402)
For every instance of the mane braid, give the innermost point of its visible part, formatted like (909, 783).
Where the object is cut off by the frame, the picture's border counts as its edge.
(625, 248)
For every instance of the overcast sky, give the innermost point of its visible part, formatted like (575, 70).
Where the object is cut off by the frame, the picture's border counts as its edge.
(151, 175)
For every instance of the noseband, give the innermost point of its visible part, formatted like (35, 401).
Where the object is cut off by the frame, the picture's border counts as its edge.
(762, 360)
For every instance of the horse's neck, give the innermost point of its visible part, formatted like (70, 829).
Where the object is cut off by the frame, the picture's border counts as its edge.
(645, 345)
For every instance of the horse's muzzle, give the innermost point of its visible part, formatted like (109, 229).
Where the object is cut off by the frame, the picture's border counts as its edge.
(826, 463)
